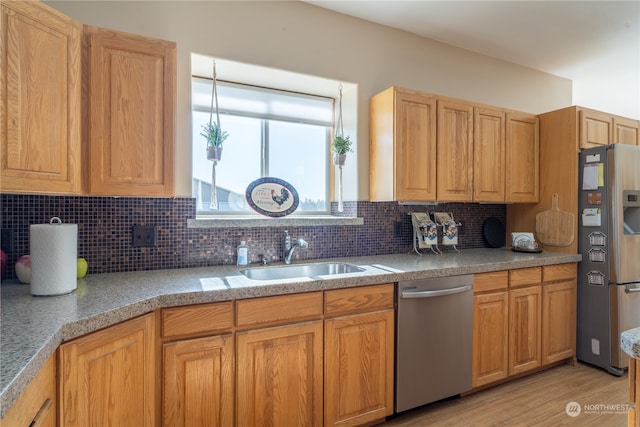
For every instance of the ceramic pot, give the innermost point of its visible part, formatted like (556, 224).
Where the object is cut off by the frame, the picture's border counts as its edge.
(339, 159)
(214, 153)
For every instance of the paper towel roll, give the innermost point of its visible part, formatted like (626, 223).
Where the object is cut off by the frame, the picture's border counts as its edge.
(54, 252)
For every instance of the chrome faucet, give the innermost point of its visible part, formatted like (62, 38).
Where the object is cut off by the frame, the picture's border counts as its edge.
(290, 248)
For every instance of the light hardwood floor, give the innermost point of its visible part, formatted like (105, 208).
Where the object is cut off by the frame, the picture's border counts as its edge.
(536, 400)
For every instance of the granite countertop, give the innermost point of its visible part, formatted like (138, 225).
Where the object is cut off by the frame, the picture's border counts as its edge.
(32, 328)
(630, 342)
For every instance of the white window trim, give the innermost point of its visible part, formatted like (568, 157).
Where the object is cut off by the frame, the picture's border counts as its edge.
(201, 66)
(306, 221)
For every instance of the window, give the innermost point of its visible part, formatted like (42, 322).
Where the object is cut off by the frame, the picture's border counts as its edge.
(271, 133)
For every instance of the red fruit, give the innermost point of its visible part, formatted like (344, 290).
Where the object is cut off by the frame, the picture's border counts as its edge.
(4, 260)
(23, 269)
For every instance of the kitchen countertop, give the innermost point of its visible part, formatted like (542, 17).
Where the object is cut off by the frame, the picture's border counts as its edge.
(630, 342)
(31, 328)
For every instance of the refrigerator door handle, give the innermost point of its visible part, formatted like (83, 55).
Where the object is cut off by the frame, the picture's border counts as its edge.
(630, 290)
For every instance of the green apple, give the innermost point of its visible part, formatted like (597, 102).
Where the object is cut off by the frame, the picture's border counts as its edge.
(82, 267)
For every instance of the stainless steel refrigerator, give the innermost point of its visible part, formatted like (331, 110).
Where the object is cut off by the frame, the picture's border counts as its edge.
(609, 241)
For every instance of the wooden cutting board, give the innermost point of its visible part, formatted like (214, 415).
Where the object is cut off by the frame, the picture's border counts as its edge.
(555, 227)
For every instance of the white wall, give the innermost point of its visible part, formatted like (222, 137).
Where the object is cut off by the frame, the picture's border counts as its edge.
(302, 38)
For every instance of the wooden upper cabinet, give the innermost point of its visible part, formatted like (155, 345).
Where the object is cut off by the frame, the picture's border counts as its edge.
(131, 123)
(454, 164)
(488, 155)
(403, 146)
(596, 128)
(625, 131)
(40, 75)
(522, 159)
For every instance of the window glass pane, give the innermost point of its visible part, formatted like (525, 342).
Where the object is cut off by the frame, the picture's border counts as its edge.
(298, 154)
(240, 163)
(271, 133)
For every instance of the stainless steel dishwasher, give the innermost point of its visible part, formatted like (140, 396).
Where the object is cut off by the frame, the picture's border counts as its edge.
(433, 340)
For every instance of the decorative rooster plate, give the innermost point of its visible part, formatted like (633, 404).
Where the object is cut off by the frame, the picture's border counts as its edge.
(272, 197)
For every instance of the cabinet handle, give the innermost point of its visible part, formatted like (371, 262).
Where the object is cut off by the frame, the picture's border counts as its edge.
(40, 412)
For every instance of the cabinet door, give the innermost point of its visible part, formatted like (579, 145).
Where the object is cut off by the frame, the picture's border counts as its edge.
(198, 382)
(558, 321)
(109, 377)
(36, 406)
(279, 376)
(40, 90)
(131, 114)
(490, 337)
(359, 368)
(488, 155)
(625, 131)
(596, 129)
(523, 159)
(524, 329)
(454, 152)
(415, 147)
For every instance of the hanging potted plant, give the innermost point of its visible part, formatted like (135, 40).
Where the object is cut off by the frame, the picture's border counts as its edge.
(340, 145)
(212, 132)
(215, 137)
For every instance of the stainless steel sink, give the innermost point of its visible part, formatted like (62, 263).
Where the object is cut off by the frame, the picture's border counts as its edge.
(300, 271)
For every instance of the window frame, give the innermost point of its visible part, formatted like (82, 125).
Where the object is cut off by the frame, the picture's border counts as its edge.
(265, 119)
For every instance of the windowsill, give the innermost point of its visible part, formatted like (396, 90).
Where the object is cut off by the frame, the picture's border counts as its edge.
(229, 222)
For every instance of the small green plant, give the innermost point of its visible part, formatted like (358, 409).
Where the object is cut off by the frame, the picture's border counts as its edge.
(341, 145)
(213, 134)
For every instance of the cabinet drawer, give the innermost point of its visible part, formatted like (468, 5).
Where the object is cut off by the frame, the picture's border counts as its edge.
(198, 319)
(278, 309)
(355, 299)
(491, 281)
(559, 272)
(525, 276)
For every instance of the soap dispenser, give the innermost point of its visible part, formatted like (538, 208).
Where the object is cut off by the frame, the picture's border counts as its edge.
(243, 254)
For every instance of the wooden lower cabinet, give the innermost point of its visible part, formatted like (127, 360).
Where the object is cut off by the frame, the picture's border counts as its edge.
(279, 376)
(36, 406)
(634, 392)
(523, 319)
(490, 337)
(558, 321)
(524, 329)
(358, 368)
(108, 378)
(198, 382)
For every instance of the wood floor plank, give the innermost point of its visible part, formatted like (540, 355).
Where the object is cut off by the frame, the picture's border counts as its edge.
(536, 400)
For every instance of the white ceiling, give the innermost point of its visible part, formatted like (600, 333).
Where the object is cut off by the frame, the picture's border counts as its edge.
(590, 41)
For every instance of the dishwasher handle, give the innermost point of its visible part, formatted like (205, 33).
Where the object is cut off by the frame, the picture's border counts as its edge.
(437, 293)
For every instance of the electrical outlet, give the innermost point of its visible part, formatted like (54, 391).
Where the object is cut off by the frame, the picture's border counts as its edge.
(397, 229)
(460, 228)
(143, 236)
(6, 240)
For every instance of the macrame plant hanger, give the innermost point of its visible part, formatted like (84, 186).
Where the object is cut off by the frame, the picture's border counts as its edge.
(341, 130)
(214, 98)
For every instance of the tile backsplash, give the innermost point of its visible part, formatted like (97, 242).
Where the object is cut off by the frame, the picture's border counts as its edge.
(104, 231)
